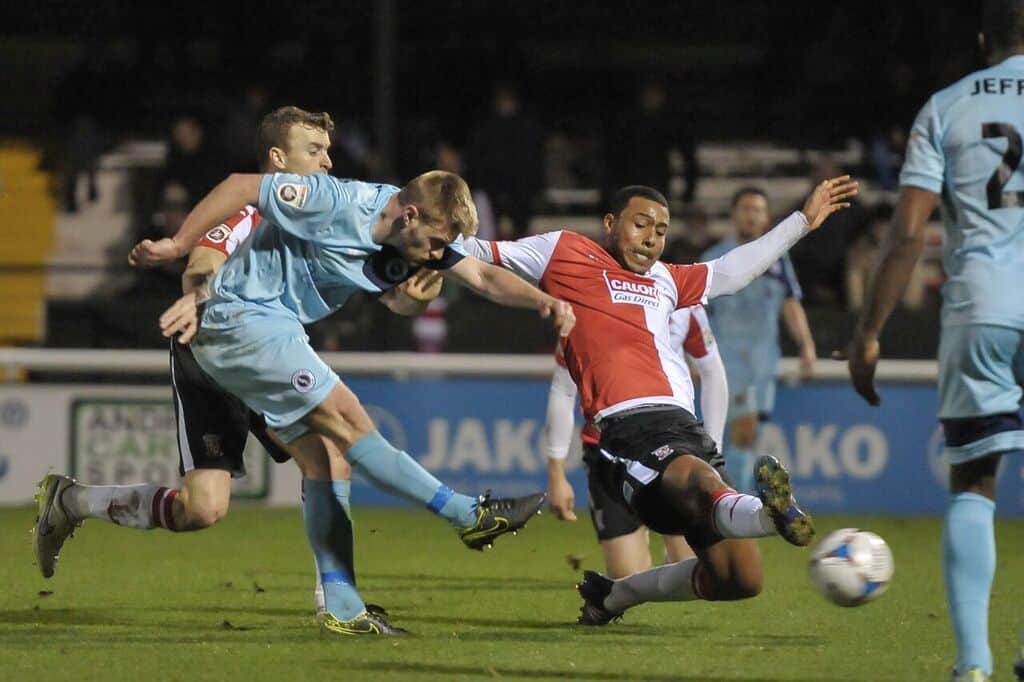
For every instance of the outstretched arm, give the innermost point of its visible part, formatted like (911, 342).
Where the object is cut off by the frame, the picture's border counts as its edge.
(226, 198)
(900, 253)
(740, 266)
(505, 288)
(559, 428)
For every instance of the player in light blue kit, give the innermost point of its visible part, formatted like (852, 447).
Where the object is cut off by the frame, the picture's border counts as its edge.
(746, 325)
(324, 239)
(965, 147)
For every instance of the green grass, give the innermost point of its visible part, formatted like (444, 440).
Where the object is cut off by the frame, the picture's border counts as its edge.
(234, 603)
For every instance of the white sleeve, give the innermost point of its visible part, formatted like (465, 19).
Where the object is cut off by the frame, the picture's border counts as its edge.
(740, 266)
(561, 419)
(714, 393)
(527, 257)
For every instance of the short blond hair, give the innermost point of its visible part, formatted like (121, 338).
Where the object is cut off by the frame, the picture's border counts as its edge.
(442, 198)
(275, 126)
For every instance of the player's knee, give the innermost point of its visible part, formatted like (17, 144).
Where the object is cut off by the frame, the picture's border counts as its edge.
(199, 513)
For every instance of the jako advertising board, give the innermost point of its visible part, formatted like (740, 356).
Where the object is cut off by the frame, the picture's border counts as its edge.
(479, 434)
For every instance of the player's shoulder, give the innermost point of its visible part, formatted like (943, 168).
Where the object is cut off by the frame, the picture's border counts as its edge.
(1006, 77)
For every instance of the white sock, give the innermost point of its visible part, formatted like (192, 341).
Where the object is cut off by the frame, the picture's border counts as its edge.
(742, 516)
(671, 582)
(126, 505)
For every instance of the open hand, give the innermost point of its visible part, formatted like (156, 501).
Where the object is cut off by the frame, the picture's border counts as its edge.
(862, 358)
(181, 318)
(828, 197)
(424, 286)
(561, 498)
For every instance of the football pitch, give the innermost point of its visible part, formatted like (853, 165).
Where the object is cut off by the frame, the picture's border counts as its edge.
(234, 603)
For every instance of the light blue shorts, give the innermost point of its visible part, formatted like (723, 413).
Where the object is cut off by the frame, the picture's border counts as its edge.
(981, 372)
(269, 364)
(751, 376)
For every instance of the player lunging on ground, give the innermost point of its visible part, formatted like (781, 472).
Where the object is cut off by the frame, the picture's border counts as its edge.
(623, 537)
(747, 327)
(965, 147)
(323, 239)
(656, 457)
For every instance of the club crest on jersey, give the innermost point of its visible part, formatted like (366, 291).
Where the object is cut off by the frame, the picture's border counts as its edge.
(218, 234)
(293, 195)
(303, 381)
(627, 291)
(211, 442)
(662, 452)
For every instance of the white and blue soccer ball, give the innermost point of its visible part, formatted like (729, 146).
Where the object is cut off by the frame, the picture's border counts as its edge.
(851, 567)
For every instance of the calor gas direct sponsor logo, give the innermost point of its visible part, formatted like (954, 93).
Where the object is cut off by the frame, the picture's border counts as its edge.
(628, 291)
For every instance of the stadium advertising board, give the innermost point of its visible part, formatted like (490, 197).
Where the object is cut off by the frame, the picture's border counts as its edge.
(844, 455)
(135, 440)
(99, 434)
(475, 434)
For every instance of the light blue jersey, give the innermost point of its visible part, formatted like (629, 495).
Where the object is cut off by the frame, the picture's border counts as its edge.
(313, 249)
(746, 325)
(966, 144)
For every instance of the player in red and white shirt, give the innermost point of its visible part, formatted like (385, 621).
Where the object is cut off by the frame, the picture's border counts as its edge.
(623, 537)
(633, 385)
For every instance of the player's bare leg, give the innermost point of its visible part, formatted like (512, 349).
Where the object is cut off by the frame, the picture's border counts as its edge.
(64, 504)
(341, 418)
(627, 554)
(203, 499)
(677, 549)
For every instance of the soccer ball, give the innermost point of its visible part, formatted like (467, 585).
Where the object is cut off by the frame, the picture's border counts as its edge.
(851, 567)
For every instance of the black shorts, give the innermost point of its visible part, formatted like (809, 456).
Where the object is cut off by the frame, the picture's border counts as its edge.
(212, 424)
(611, 516)
(635, 450)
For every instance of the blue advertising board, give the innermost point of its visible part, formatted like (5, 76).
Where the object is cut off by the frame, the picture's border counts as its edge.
(845, 456)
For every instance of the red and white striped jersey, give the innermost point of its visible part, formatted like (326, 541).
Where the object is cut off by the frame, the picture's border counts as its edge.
(620, 353)
(232, 232)
(690, 333)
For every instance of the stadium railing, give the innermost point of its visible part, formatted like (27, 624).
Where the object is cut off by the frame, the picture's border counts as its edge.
(16, 361)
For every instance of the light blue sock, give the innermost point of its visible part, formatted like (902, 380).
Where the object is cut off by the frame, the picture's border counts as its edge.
(739, 464)
(394, 471)
(330, 531)
(969, 560)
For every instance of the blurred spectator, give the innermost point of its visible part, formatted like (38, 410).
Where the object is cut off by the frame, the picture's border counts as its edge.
(862, 260)
(79, 98)
(643, 141)
(239, 137)
(690, 235)
(506, 159)
(430, 330)
(820, 258)
(352, 153)
(449, 159)
(887, 151)
(192, 162)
